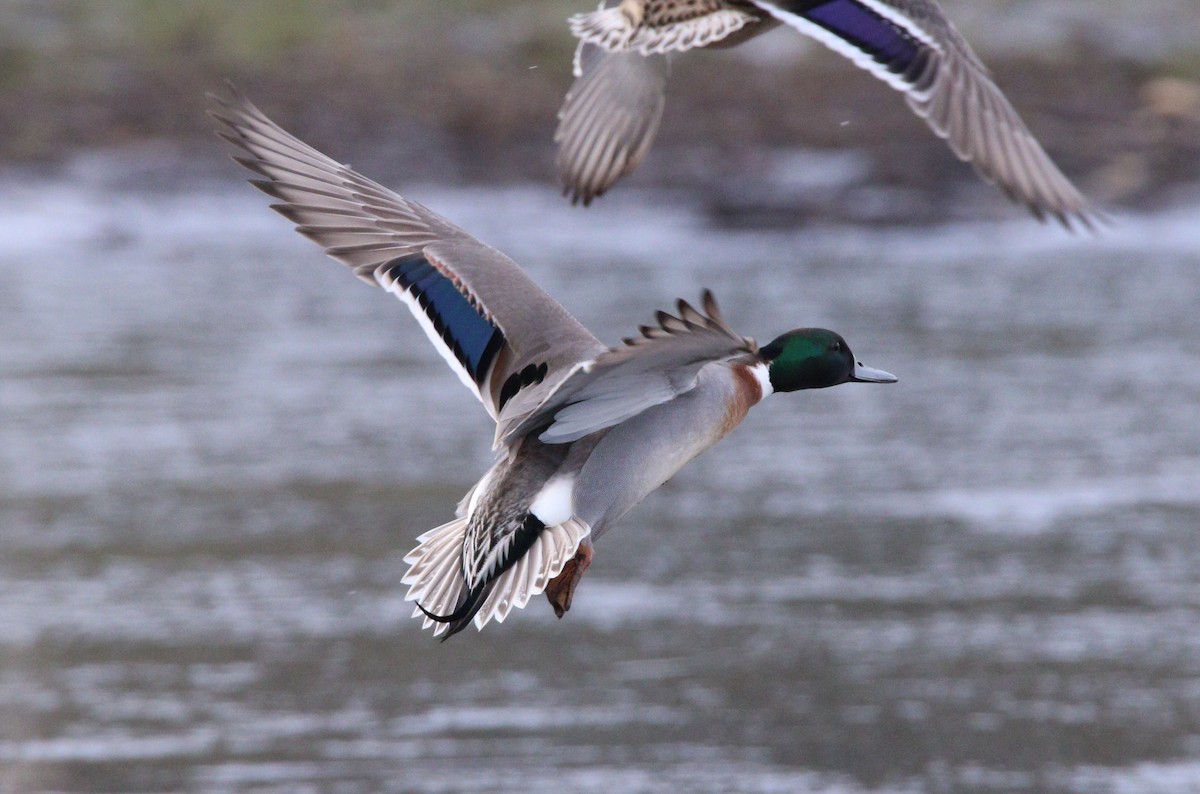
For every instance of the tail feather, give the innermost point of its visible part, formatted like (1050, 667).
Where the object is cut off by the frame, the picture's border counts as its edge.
(436, 581)
(461, 617)
(550, 552)
(435, 574)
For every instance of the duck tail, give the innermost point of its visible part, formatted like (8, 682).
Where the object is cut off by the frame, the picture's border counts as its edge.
(437, 585)
(460, 618)
(434, 575)
(549, 553)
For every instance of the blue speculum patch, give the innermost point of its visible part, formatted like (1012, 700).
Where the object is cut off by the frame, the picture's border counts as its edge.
(880, 38)
(473, 340)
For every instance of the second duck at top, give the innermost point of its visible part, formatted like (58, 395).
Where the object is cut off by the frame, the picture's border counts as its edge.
(611, 113)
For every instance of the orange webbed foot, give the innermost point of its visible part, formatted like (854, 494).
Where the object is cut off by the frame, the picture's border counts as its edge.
(562, 587)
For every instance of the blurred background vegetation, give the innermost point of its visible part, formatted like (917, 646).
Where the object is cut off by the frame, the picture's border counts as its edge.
(458, 90)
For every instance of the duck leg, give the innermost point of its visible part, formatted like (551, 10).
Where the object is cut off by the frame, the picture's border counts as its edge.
(562, 587)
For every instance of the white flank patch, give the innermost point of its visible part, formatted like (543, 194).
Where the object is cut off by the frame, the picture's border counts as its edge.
(555, 503)
(841, 46)
(394, 287)
(762, 372)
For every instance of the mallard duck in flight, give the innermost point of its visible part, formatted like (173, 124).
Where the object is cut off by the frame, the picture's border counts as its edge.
(612, 112)
(584, 431)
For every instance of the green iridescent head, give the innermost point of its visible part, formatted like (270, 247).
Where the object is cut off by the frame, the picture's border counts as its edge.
(815, 358)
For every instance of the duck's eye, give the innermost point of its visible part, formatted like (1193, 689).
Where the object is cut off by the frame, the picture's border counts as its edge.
(837, 347)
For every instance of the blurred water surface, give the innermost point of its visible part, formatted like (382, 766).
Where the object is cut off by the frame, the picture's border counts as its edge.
(216, 447)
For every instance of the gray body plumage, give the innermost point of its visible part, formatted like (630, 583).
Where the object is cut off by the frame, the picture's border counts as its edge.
(634, 458)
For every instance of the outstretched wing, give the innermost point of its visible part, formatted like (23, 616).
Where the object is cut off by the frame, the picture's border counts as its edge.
(608, 119)
(913, 47)
(661, 364)
(498, 330)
